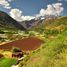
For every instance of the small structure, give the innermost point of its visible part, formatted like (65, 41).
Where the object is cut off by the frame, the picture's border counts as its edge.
(17, 54)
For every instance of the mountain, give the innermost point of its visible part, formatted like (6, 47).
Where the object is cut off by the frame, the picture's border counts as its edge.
(7, 22)
(31, 23)
(51, 23)
(37, 21)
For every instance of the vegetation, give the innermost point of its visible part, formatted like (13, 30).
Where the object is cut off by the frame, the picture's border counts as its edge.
(14, 50)
(53, 52)
(7, 62)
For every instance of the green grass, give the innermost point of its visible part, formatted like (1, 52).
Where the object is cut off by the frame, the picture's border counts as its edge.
(7, 62)
(52, 54)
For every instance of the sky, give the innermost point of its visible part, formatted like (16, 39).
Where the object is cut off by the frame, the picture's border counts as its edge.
(29, 9)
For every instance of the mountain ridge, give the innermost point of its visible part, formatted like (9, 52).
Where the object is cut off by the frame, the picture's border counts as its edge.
(8, 22)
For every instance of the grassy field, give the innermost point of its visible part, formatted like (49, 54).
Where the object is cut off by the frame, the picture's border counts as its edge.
(52, 54)
(7, 62)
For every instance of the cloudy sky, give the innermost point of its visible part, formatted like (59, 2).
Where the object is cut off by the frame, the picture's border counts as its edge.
(22, 10)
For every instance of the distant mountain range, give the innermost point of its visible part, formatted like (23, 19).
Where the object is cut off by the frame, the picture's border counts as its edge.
(31, 23)
(7, 22)
(58, 23)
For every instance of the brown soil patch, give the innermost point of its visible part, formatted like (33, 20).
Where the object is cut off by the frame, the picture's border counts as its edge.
(24, 44)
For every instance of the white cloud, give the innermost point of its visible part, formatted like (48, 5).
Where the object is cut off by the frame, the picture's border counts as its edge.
(27, 18)
(18, 15)
(5, 4)
(52, 9)
(42, 12)
(58, 8)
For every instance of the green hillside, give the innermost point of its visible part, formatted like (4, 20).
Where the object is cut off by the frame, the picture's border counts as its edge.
(8, 23)
(56, 23)
(53, 53)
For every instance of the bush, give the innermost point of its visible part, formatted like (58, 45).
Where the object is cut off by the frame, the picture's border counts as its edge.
(15, 49)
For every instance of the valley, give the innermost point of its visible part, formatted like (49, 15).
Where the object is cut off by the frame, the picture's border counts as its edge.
(43, 44)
